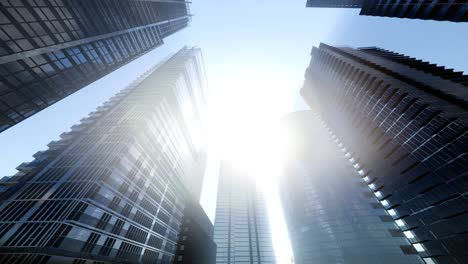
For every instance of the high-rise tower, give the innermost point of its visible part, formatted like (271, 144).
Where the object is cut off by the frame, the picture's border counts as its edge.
(451, 10)
(50, 49)
(242, 228)
(404, 124)
(114, 188)
(335, 3)
(331, 214)
(195, 245)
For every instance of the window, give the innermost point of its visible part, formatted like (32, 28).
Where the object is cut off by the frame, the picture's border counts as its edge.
(159, 228)
(400, 223)
(137, 234)
(114, 203)
(143, 219)
(90, 243)
(163, 217)
(107, 247)
(378, 194)
(409, 234)
(418, 247)
(103, 221)
(126, 210)
(117, 227)
(155, 242)
(429, 261)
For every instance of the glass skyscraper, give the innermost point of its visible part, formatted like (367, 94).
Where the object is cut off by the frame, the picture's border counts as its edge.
(114, 188)
(242, 228)
(50, 49)
(451, 10)
(335, 3)
(403, 122)
(195, 245)
(331, 214)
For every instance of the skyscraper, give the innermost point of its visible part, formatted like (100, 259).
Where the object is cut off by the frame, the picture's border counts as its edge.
(335, 3)
(331, 214)
(114, 188)
(404, 124)
(195, 245)
(452, 10)
(50, 49)
(242, 229)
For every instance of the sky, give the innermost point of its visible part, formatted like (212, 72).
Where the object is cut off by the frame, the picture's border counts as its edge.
(255, 55)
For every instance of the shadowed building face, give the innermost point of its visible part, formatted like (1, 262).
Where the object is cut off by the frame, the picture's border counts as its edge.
(404, 122)
(335, 3)
(331, 214)
(51, 49)
(451, 10)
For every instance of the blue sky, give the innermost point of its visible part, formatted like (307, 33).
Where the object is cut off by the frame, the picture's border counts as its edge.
(256, 52)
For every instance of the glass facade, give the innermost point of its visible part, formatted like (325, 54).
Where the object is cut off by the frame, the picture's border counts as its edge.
(456, 11)
(50, 49)
(403, 122)
(331, 214)
(114, 188)
(195, 245)
(425, 66)
(335, 3)
(242, 229)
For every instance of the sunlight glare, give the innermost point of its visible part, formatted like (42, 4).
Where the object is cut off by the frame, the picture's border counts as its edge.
(245, 123)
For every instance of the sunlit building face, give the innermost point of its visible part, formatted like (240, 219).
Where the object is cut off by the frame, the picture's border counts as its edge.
(115, 187)
(242, 226)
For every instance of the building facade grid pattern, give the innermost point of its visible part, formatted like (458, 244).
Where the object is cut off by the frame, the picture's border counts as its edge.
(331, 214)
(50, 49)
(242, 229)
(115, 187)
(449, 10)
(409, 136)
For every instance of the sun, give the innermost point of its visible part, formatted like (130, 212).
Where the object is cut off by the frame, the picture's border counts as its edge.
(244, 119)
